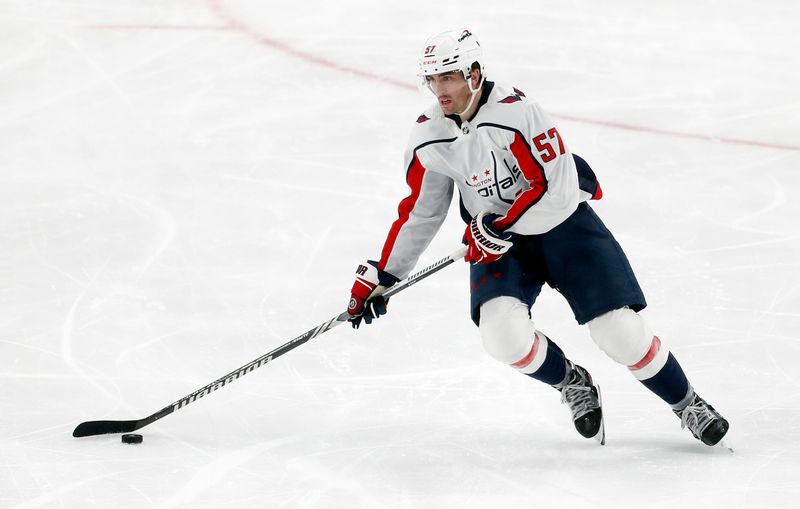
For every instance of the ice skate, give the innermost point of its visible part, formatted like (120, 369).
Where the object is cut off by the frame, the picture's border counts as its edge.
(705, 423)
(585, 404)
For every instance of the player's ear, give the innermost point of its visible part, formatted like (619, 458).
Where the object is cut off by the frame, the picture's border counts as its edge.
(475, 75)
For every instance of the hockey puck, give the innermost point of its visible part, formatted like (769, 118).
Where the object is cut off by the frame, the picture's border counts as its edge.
(132, 438)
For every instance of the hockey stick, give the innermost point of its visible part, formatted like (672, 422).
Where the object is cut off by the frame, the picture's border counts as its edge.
(91, 428)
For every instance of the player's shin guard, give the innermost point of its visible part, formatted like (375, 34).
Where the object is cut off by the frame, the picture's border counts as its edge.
(625, 337)
(510, 337)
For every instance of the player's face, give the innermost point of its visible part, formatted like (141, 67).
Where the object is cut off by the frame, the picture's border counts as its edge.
(451, 91)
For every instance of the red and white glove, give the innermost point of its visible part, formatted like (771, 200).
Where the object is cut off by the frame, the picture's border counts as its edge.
(366, 299)
(485, 243)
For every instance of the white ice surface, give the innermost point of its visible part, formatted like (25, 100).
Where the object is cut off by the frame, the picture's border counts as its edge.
(185, 185)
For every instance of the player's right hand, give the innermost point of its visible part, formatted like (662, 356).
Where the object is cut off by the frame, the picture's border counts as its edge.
(485, 243)
(366, 296)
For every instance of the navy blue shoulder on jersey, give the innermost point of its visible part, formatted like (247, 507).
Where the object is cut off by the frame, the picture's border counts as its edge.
(587, 180)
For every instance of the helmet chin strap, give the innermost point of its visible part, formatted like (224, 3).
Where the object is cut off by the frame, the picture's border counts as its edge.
(473, 92)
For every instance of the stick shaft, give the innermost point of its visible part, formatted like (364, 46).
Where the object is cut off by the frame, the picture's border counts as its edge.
(90, 428)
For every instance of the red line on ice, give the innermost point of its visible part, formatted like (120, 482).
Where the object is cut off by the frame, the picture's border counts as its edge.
(158, 27)
(679, 134)
(233, 23)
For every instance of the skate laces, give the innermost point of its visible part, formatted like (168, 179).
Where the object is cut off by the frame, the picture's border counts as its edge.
(579, 396)
(697, 416)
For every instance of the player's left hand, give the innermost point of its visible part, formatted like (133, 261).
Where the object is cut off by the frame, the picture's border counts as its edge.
(485, 243)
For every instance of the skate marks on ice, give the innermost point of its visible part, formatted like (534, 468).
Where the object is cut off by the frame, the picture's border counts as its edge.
(219, 467)
(420, 447)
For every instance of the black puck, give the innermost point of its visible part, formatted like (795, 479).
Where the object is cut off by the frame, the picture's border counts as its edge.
(132, 438)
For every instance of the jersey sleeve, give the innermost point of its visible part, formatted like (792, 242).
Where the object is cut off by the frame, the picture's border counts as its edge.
(549, 169)
(420, 215)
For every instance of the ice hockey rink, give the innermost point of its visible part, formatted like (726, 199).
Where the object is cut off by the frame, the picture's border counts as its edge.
(186, 185)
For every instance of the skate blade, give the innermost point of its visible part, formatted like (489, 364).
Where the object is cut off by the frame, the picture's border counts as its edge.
(724, 445)
(601, 434)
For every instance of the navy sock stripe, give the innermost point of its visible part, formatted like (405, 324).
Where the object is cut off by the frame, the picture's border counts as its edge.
(670, 383)
(554, 368)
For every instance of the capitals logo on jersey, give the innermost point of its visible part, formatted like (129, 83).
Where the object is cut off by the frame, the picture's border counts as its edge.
(486, 182)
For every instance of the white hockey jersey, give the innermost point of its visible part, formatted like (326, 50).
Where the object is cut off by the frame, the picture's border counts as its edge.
(509, 159)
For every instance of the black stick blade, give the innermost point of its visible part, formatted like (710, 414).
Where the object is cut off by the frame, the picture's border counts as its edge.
(90, 428)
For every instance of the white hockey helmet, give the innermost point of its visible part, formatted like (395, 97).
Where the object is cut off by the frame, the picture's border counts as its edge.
(455, 50)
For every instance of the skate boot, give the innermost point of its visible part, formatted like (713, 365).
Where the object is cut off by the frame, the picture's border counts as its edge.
(585, 403)
(705, 423)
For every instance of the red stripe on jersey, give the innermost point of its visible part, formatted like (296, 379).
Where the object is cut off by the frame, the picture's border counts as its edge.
(533, 173)
(655, 346)
(528, 358)
(598, 193)
(414, 179)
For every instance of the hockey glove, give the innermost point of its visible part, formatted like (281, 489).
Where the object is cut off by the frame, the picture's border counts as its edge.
(366, 299)
(485, 243)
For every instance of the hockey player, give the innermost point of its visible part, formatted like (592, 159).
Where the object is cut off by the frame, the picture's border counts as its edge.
(523, 195)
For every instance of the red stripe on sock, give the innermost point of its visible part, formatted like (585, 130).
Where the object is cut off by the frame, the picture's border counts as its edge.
(528, 358)
(655, 346)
